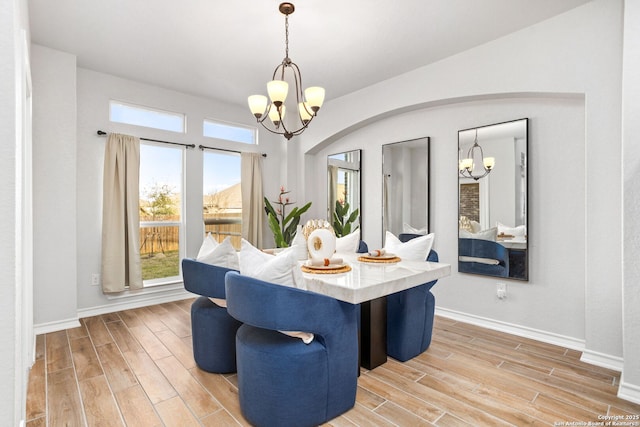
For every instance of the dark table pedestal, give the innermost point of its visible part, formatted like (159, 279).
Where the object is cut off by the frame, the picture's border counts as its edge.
(373, 333)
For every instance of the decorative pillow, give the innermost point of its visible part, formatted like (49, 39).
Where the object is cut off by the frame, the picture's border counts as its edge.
(414, 250)
(208, 245)
(282, 268)
(488, 261)
(519, 231)
(348, 243)
(406, 228)
(475, 226)
(488, 234)
(220, 254)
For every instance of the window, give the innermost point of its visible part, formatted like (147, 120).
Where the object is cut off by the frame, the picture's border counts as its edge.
(222, 198)
(161, 224)
(229, 132)
(144, 116)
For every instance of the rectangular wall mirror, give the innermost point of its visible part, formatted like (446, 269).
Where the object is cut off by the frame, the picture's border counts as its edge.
(405, 187)
(343, 189)
(492, 195)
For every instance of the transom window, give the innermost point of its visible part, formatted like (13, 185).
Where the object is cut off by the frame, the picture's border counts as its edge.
(122, 112)
(229, 131)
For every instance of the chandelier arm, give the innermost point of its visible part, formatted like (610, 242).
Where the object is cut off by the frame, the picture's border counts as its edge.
(297, 76)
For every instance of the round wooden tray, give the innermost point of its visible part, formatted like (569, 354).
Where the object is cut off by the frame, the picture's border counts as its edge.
(381, 260)
(345, 268)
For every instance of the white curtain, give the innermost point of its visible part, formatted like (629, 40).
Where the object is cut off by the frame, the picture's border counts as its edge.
(252, 198)
(120, 215)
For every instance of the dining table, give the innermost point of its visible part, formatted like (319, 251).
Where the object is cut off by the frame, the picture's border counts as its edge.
(368, 282)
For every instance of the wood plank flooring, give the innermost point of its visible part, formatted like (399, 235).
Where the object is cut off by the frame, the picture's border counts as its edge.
(136, 368)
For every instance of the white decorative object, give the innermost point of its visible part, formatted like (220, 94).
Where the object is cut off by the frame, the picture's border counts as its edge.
(300, 244)
(321, 244)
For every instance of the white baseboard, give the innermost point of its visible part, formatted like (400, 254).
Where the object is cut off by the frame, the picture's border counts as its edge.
(603, 360)
(117, 305)
(58, 325)
(630, 392)
(129, 303)
(521, 331)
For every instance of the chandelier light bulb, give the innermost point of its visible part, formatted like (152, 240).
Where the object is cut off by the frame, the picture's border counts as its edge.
(305, 112)
(276, 114)
(315, 97)
(278, 90)
(257, 105)
(489, 162)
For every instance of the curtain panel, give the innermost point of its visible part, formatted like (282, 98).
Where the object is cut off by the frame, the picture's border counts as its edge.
(120, 215)
(252, 198)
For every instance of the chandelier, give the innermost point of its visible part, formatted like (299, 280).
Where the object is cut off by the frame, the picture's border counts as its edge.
(307, 105)
(466, 166)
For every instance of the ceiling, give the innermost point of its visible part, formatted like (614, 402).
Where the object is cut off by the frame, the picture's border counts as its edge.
(228, 49)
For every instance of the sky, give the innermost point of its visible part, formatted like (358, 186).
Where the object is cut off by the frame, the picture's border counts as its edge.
(162, 165)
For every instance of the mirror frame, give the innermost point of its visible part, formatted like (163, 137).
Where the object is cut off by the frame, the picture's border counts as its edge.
(330, 208)
(512, 248)
(427, 141)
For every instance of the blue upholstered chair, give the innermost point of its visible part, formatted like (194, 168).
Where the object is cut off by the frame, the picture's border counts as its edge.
(213, 329)
(410, 316)
(483, 249)
(362, 247)
(281, 380)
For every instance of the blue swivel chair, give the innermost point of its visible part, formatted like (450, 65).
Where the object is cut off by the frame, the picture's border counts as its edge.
(410, 316)
(483, 249)
(213, 329)
(281, 380)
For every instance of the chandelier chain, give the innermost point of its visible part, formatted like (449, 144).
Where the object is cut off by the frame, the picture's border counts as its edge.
(286, 36)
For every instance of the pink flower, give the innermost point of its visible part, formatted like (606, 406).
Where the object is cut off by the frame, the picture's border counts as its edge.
(286, 200)
(282, 189)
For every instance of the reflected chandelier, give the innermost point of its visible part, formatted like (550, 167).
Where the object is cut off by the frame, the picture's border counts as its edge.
(277, 89)
(466, 166)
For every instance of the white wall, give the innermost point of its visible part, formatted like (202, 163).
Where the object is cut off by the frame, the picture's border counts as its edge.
(15, 255)
(549, 60)
(553, 299)
(630, 384)
(54, 185)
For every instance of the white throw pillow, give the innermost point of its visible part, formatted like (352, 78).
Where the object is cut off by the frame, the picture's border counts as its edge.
(488, 234)
(348, 243)
(519, 231)
(406, 228)
(416, 249)
(489, 261)
(282, 268)
(220, 254)
(208, 245)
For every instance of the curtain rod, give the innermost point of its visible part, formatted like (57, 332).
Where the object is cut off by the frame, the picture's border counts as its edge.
(202, 147)
(103, 133)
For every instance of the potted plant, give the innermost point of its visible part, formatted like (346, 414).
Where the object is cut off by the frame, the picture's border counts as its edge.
(342, 220)
(283, 225)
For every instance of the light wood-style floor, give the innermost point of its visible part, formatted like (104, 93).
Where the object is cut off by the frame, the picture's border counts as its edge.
(136, 368)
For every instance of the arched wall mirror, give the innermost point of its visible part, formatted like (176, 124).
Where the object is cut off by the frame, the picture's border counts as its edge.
(492, 213)
(405, 187)
(344, 190)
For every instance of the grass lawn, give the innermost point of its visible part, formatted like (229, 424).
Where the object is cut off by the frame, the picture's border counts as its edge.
(160, 265)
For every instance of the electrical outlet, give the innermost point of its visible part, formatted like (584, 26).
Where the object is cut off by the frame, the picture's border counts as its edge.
(501, 290)
(95, 279)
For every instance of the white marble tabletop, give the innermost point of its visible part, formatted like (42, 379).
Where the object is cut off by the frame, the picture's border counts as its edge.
(367, 281)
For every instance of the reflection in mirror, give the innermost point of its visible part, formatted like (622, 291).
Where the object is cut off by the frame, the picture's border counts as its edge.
(343, 188)
(405, 187)
(492, 211)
